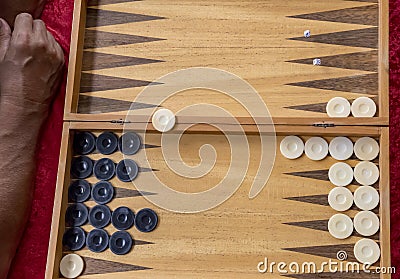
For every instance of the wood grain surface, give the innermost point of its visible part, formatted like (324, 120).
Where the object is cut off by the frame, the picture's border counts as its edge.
(231, 239)
(128, 44)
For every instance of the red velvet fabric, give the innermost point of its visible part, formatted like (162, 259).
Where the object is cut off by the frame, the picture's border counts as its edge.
(395, 132)
(30, 261)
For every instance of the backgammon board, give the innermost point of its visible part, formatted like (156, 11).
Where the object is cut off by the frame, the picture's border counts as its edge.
(123, 49)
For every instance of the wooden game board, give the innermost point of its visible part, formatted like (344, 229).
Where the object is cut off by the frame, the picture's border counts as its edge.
(120, 46)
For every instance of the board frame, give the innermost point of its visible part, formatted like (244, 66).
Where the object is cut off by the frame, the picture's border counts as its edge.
(324, 126)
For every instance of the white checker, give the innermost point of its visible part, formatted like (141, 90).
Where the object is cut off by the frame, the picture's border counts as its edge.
(340, 174)
(366, 198)
(367, 251)
(316, 148)
(292, 147)
(340, 199)
(366, 149)
(163, 120)
(366, 223)
(366, 173)
(340, 226)
(71, 266)
(341, 148)
(363, 107)
(338, 107)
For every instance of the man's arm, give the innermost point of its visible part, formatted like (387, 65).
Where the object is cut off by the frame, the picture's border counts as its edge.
(30, 65)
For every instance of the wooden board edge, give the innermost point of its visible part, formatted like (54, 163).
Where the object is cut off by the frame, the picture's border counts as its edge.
(384, 58)
(54, 253)
(348, 121)
(305, 121)
(75, 56)
(385, 201)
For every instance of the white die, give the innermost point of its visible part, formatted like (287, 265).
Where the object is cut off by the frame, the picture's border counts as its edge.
(317, 62)
(307, 34)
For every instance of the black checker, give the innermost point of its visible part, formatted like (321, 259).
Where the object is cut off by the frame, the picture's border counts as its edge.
(129, 143)
(97, 240)
(123, 218)
(127, 170)
(84, 143)
(76, 215)
(79, 191)
(99, 216)
(121, 243)
(82, 167)
(74, 239)
(107, 143)
(146, 220)
(104, 169)
(103, 192)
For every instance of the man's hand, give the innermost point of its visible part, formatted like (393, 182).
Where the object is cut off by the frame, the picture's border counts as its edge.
(30, 62)
(9, 9)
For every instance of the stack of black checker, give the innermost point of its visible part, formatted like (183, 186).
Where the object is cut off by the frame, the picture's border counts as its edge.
(100, 216)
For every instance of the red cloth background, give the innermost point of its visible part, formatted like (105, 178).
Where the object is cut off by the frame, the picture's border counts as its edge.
(30, 261)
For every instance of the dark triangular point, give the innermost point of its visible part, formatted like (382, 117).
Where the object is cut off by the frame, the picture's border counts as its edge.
(322, 200)
(97, 39)
(356, 38)
(149, 146)
(95, 105)
(96, 60)
(363, 61)
(321, 107)
(366, 15)
(128, 193)
(98, 17)
(147, 170)
(315, 199)
(327, 251)
(142, 242)
(95, 83)
(135, 243)
(97, 266)
(360, 84)
(322, 225)
(316, 174)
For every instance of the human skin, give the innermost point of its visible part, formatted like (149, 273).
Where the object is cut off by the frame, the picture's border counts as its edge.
(9, 9)
(30, 65)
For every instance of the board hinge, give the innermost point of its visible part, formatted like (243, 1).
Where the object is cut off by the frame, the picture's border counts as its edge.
(324, 125)
(119, 121)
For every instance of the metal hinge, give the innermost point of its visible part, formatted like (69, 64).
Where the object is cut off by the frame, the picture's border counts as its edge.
(324, 125)
(120, 122)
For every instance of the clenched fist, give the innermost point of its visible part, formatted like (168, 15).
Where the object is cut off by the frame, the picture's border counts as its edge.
(30, 62)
